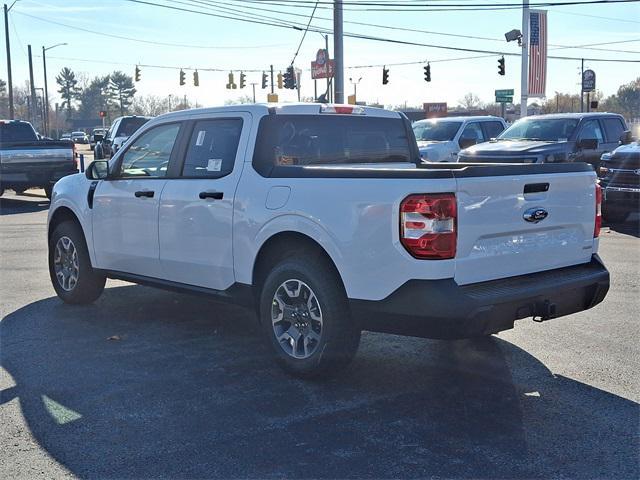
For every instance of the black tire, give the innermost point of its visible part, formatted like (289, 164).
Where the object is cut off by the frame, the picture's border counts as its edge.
(89, 284)
(614, 215)
(339, 334)
(48, 191)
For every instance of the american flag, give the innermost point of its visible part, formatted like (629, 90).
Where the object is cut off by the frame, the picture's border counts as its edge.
(537, 53)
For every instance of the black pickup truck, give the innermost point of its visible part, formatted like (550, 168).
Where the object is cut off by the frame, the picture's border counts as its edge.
(563, 137)
(619, 174)
(27, 161)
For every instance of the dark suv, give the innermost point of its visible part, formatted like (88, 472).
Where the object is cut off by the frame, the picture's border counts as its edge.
(121, 129)
(563, 137)
(619, 175)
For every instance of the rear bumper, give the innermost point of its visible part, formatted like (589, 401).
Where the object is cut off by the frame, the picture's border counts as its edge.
(443, 309)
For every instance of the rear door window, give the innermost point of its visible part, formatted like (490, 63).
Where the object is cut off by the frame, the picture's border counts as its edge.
(304, 140)
(614, 128)
(491, 129)
(212, 148)
(591, 129)
(17, 132)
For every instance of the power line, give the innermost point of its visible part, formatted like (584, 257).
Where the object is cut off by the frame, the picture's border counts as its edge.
(304, 34)
(151, 42)
(211, 4)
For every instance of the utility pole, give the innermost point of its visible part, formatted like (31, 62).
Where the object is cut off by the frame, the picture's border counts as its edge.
(253, 85)
(32, 88)
(272, 86)
(9, 76)
(581, 88)
(338, 51)
(524, 68)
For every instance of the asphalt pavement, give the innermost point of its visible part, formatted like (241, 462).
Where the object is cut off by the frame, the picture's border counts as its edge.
(147, 383)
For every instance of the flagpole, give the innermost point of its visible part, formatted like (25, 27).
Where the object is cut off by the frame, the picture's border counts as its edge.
(524, 68)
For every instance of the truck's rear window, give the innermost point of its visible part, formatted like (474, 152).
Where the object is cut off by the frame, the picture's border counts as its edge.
(128, 126)
(17, 132)
(301, 140)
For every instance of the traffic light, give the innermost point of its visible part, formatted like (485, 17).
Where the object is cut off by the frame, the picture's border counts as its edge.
(232, 84)
(243, 80)
(196, 79)
(264, 80)
(280, 80)
(501, 68)
(137, 76)
(385, 75)
(182, 77)
(290, 78)
(427, 73)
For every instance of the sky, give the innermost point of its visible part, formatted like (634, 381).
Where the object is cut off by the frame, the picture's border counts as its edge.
(189, 41)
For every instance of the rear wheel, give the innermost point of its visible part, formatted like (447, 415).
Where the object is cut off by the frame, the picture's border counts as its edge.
(73, 278)
(306, 318)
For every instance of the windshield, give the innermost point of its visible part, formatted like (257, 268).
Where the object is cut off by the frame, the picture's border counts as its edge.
(435, 131)
(549, 129)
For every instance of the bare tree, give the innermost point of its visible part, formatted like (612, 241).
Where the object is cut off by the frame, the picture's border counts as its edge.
(469, 102)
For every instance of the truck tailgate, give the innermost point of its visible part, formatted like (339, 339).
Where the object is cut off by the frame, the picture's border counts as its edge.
(496, 241)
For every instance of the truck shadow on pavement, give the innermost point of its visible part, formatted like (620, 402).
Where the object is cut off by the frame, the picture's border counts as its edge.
(15, 205)
(147, 383)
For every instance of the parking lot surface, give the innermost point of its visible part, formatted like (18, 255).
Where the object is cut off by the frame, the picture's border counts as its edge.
(147, 383)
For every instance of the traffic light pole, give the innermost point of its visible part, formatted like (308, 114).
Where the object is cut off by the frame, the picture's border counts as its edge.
(524, 68)
(338, 51)
(253, 85)
(272, 86)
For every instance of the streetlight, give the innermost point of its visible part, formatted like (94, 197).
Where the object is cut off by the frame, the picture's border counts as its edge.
(355, 87)
(46, 90)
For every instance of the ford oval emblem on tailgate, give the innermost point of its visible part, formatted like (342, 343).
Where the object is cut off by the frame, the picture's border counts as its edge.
(535, 215)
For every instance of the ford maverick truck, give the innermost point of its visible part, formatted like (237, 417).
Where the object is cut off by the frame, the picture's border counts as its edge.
(324, 218)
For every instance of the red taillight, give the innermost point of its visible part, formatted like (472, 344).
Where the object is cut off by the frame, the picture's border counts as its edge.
(428, 225)
(598, 221)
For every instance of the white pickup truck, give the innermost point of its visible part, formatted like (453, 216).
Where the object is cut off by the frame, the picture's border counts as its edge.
(324, 218)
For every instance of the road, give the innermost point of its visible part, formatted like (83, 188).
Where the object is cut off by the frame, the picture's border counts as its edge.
(147, 383)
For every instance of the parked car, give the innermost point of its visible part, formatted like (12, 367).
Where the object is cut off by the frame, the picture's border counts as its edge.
(26, 161)
(101, 132)
(121, 129)
(440, 139)
(326, 220)
(619, 173)
(559, 137)
(79, 137)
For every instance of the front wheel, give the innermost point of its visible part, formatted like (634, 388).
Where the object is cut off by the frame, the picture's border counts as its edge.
(73, 278)
(306, 318)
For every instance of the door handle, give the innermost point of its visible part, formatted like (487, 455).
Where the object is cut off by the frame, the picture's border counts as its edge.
(144, 193)
(213, 195)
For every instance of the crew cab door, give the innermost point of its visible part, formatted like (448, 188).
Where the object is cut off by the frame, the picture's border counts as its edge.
(125, 206)
(196, 208)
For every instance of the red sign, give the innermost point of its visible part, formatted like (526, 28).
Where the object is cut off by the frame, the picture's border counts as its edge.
(323, 67)
(435, 109)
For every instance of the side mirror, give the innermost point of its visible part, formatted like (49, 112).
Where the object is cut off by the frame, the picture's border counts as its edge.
(588, 144)
(98, 170)
(626, 138)
(466, 142)
(98, 137)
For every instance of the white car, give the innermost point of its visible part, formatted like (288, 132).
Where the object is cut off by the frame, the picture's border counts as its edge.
(325, 220)
(440, 139)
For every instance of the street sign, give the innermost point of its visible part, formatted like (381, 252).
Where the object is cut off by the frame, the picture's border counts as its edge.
(505, 93)
(588, 81)
(323, 67)
(502, 99)
(435, 109)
